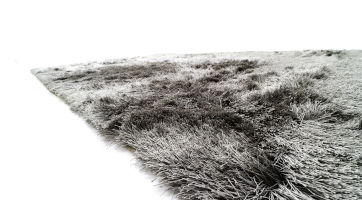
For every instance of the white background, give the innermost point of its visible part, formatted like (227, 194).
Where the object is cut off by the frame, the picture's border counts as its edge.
(48, 152)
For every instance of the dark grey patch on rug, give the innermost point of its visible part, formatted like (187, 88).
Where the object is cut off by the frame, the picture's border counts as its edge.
(250, 125)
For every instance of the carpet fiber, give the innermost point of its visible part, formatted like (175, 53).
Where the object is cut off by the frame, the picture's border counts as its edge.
(249, 125)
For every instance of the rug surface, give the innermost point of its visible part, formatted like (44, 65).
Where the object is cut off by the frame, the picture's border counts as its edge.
(249, 125)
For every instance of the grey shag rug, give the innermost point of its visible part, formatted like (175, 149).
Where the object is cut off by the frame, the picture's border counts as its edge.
(249, 125)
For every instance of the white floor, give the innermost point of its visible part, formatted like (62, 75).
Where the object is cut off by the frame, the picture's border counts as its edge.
(48, 152)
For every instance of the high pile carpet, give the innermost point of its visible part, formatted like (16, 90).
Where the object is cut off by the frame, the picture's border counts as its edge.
(249, 125)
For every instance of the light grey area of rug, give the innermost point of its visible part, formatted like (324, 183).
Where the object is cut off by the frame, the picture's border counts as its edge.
(249, 125)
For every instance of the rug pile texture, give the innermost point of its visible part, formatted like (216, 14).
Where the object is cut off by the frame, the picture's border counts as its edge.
(249, 125)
